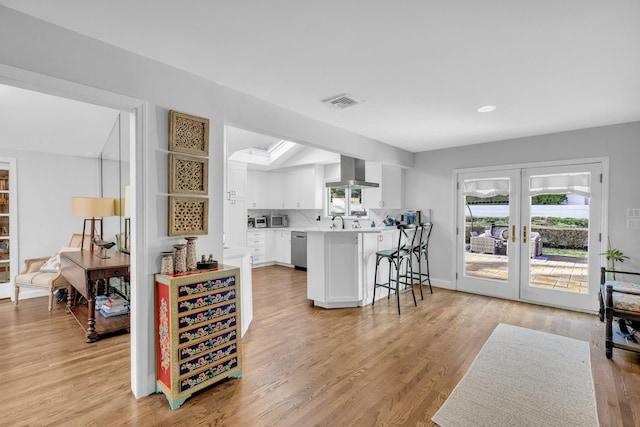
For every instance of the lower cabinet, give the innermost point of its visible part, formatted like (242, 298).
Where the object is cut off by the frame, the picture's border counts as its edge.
(341, 266)
(270, 245)
(333, 269)
(198, 331)
(257, 243)
(282, 246)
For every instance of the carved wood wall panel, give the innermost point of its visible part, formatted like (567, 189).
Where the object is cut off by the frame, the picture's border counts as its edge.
(188, 174)
(188, 134)
(188, 215)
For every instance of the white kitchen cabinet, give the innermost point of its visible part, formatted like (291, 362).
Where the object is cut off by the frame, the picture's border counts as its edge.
(235, 222)
(239, 257)
(257, 190)
(333, 269)
(257, 244)
(234, 206)
(341, 265)
(276, 190)
(236, 181)
(265, 190)
(270, 245)
(282, 240)
(389, 194)
(304, 188)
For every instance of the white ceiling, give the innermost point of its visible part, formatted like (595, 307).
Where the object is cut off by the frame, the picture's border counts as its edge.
(421, 67)
(33, 121)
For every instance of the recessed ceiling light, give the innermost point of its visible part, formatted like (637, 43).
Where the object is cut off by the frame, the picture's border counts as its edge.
(486, 109)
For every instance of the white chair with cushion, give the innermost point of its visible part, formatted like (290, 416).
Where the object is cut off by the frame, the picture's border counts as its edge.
(44, 273)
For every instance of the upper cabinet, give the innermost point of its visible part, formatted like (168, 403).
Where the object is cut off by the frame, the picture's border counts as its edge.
(236, 181)
(257, 188)
(304, 188)
(301, 188)
(264, 190)
(389, 194)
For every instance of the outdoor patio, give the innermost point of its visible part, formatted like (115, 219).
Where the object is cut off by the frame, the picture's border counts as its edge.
(547, 271)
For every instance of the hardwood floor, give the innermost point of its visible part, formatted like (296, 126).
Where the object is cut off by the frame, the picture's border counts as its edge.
(302, 366)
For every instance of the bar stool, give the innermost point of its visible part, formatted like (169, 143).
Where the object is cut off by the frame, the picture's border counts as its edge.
(399, 259)
(419, 251)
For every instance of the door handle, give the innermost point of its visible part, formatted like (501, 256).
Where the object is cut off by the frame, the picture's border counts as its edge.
(513, 233)
(524, 234)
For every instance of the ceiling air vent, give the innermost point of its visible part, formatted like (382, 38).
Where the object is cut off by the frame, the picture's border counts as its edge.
(342, 101)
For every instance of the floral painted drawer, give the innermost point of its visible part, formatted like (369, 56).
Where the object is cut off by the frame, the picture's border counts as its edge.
(208, 345)
(197, 331)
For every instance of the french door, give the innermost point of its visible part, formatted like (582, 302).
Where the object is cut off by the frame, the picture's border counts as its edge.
(531, 234)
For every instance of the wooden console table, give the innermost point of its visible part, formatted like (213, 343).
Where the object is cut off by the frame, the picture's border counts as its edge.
(86, 274)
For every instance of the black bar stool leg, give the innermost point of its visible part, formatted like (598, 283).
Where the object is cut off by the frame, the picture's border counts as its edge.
(398, 284)
(389, 278)
(410, 266)
(420, 277)
(426, 258)
(375, 280)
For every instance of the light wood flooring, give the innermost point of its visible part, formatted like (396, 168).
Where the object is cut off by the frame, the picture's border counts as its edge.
(303, 366)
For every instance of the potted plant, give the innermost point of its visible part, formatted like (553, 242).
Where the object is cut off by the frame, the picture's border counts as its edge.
(614, 255)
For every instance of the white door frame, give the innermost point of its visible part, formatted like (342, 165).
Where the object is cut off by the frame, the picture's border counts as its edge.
(604, 161)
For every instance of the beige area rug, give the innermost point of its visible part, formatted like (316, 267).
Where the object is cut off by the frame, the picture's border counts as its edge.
(523, 377)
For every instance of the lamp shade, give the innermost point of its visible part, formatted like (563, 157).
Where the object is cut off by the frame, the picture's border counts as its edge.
(127, 201)
(118, 207)
(92, 206)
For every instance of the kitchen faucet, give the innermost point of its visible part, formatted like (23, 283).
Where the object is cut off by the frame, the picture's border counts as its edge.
(341, 219)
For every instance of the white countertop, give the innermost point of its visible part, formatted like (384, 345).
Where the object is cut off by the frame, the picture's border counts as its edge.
(235, 252)
(326, 229)
(351, 230)
(274, 228)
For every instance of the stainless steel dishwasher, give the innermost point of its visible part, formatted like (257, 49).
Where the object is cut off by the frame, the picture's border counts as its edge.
(299, 250)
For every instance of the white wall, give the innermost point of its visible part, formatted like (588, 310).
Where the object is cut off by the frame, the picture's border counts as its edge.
(430, 182)
(46, 184)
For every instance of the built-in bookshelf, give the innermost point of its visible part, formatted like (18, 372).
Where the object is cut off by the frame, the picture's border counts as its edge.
(5, 227)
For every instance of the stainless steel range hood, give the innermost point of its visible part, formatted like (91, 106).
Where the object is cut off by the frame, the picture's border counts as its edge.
(352, 174)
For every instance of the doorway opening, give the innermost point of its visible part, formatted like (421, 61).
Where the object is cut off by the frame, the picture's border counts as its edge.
(135, 110)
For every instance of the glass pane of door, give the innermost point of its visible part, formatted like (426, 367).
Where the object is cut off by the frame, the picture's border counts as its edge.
(486, 247)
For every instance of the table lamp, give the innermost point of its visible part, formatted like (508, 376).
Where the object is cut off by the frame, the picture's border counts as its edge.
(93, 209)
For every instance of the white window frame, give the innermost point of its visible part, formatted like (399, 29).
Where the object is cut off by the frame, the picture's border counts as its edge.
(348, 212)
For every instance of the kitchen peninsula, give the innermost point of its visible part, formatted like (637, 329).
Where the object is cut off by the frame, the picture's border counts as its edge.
(341, 264)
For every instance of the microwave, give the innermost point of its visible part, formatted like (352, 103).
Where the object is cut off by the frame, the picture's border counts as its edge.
(279, 221)
(261, 222)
